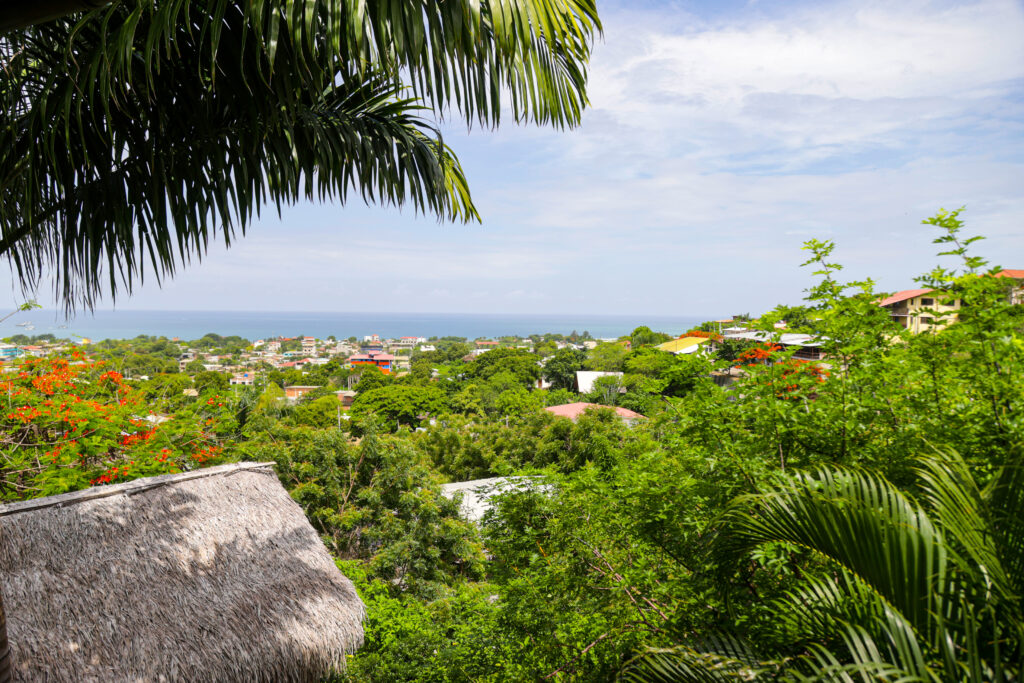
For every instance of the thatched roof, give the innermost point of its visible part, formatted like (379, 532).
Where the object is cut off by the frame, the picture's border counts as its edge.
(212, 575)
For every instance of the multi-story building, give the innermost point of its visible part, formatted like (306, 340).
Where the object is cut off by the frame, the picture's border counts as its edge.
(921, 310)
(403, 344)
(379, 359)
(185, 358)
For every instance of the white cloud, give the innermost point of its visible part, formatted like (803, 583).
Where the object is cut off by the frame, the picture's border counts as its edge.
(858, 51)
(842, 75)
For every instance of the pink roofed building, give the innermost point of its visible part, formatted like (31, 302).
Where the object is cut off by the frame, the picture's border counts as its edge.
(574, 410)
(384, 361)
(921, 310)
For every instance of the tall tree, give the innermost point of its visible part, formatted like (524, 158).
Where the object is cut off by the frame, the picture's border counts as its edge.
(561, 368)
(132, 136)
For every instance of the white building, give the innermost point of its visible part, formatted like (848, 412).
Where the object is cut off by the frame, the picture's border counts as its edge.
(585, 379)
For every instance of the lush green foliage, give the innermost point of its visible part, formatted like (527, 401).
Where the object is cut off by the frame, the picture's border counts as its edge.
(903, 590)
(375, 501)
(851, 519)
(561, 368)
(400, 404)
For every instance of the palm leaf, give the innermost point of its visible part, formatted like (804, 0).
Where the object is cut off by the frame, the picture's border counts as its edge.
(689, 665)
(860, 522)
(133, 138)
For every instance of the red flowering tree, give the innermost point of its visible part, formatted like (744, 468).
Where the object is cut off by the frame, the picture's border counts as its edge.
(703, 334)
(69, 423)
(785, 376)
(760, 354)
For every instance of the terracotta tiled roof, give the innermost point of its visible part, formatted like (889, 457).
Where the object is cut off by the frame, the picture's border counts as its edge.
(902, 296)
(574, 410)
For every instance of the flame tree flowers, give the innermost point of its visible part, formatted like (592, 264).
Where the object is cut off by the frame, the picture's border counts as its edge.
(68, 423)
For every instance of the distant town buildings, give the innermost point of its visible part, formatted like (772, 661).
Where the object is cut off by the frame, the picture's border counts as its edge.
(8, 351)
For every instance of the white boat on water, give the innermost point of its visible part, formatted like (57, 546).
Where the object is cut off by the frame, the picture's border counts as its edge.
(26, 324)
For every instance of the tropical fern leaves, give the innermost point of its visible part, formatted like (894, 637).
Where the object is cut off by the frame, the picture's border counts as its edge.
(131, 139)
(910, 591)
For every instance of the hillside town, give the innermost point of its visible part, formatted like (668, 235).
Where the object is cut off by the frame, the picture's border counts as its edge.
(467, 486)
(403, 342)
(916, 310)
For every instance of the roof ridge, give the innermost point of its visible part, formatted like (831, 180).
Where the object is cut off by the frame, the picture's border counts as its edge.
(130, 488)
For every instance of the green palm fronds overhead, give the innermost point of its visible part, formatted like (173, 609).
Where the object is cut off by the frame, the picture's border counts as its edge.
(134, 135)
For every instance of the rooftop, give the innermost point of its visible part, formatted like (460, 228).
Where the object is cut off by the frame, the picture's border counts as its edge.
(585, 379)
(371, 356)
(477, 494)
(681, 345)
(786, 339)
(902, 296)
(574, 410)
(214, 574)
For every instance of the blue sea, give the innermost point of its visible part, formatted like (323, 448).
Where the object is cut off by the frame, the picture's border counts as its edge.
(126, 324)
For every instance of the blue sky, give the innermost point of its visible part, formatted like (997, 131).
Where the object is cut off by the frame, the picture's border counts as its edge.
(721, 136)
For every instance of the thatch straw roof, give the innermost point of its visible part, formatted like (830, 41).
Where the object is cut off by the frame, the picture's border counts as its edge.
(212, 575)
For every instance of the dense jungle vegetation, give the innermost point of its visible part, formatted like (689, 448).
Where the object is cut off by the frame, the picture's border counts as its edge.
(857, 520)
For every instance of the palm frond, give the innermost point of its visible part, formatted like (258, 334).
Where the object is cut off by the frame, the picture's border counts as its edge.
(838, 606)
(862, 523)
(1005, 496)
(140, 134)
(867, 665)
(689, 665)
(958, 505)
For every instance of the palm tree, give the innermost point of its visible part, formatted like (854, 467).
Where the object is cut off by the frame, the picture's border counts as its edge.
(910, 591)
(131, 136)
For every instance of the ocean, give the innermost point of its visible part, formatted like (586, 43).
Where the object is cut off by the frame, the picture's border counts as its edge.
(126, 324)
